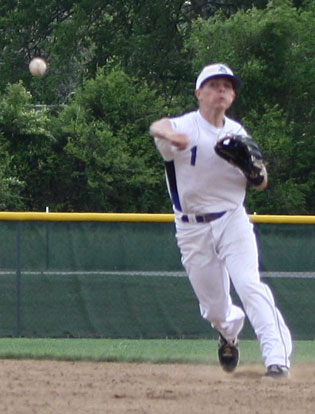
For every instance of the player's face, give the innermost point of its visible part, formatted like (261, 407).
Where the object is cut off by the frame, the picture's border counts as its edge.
(216, 93)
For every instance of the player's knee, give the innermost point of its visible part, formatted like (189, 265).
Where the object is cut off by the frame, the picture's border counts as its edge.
(213, 314)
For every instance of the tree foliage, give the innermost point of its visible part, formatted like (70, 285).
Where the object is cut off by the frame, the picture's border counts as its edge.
(77, 139)
(26, 148)
(271, 50)
(110, 163)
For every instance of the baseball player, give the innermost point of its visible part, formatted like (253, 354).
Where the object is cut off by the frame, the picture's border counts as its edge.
(213, 231)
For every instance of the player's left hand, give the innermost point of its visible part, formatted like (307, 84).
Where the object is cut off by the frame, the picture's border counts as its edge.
(244, 153)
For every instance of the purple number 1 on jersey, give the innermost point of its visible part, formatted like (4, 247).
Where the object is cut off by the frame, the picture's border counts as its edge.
(193, 155)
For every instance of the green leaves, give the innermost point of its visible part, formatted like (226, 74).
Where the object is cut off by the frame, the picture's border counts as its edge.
(25, 147)
(77, 139)
(271, 50)
(111, 160)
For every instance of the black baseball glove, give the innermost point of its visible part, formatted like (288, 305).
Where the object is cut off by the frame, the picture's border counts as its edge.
(243, 152)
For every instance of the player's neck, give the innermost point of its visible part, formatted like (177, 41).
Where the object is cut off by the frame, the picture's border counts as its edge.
(215, 118)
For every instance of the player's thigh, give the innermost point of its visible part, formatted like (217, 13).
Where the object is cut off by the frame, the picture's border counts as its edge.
(205, 269)
(239, 248)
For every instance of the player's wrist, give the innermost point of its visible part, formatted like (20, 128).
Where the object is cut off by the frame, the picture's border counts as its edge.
(260, 182)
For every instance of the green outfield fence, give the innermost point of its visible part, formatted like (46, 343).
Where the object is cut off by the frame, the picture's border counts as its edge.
(104, 275)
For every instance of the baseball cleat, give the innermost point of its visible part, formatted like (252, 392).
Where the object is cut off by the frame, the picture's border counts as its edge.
(277, 371)
(229, 355)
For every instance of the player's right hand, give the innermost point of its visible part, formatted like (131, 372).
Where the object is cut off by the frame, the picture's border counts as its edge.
(179, 140)
(163, 129)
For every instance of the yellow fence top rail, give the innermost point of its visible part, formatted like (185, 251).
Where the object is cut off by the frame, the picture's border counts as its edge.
(137, 217)
(40, 216)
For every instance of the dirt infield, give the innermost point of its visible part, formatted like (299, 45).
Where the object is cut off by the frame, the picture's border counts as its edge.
(44, 387)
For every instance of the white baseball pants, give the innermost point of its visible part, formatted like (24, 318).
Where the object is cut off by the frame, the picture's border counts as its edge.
(225, 249)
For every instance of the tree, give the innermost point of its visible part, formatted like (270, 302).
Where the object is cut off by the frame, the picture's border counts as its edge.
(84, 124)
(208, 8)
(26, 148)
(108, 161)
(78, 37)
(271, 50)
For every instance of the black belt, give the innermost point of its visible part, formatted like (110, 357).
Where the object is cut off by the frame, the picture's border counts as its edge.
(203, 218)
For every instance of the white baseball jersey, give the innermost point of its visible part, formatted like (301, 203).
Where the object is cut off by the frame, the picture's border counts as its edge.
(199, 181)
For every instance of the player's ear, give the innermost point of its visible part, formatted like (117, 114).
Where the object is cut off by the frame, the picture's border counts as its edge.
(197, 93)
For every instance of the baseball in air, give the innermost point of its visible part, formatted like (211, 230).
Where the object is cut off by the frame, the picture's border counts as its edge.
(37, 66)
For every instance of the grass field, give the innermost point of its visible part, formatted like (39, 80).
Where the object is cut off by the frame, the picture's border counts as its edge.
(133, 350)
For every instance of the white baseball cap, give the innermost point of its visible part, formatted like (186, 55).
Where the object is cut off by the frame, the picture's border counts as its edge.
(215, 71)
